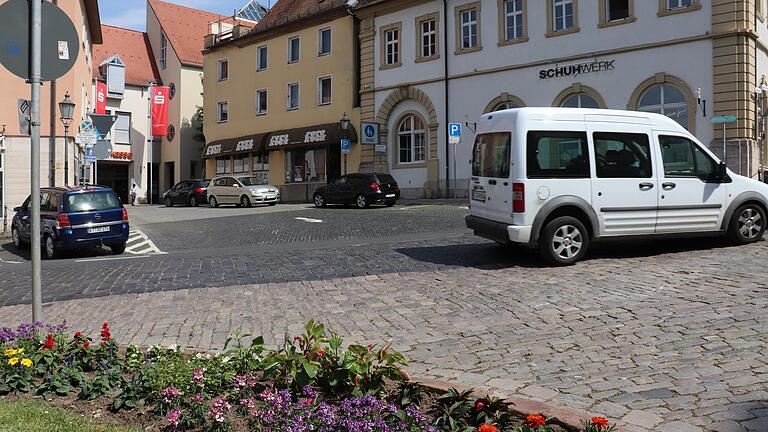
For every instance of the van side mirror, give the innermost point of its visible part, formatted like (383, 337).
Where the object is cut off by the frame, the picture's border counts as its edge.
(722, 170)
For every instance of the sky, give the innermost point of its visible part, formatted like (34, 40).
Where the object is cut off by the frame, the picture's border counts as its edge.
(132, 13)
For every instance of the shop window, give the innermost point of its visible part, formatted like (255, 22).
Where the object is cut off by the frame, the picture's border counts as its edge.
(411, 140)
(223, 70)
(427, 37)
(262, 55)
(557, 155)
(324, 42)
(390, 46)
(324, 91)
(222, 112)
(666, 99)
(580, 100)
(260, 166)
(241, 164)
(294, 47)
(223, 166)
(261, 102)
(122, 128)
(305, 166)
(514, 20)
(293, 96)
(468, 28)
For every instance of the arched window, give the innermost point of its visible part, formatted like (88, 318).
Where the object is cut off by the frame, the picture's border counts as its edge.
(580, 100)
(666, 99)
(411, 140)
(503, 102)
(504, 106)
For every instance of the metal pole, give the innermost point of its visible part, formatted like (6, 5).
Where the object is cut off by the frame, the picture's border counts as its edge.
(345, 164)
(725, 154)
(66, 155)
(455, 174)
(150, 140)
(35, 79)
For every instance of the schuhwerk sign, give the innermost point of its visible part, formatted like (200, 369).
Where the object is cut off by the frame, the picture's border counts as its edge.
(577, 69)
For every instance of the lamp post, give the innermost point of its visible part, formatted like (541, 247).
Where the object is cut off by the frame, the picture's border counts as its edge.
(66, 108)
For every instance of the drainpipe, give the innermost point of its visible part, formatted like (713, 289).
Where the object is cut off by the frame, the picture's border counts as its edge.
(445, 101)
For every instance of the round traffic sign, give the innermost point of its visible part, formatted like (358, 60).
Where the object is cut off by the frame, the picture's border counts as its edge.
(60, 42)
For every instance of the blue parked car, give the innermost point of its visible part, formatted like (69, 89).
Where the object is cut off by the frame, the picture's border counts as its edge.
(74, 218)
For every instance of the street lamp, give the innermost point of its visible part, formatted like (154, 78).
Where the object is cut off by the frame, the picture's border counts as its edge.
(66, 108)
(344, 122)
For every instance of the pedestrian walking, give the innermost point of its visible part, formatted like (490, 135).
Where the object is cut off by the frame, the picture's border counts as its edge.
(134, 193)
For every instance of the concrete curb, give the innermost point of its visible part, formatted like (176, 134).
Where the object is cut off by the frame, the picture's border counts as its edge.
(567, 418)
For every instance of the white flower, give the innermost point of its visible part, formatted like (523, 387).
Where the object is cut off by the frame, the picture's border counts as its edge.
(173, 347)
(225, 360)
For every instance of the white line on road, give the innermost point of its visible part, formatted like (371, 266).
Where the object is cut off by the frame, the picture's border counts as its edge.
(309, 220)
(111, 258)
(139, 243)
(10, 262)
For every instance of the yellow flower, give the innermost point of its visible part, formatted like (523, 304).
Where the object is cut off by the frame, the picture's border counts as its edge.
(13, 361)
(26, 362)
(9, 352)
(20, 351)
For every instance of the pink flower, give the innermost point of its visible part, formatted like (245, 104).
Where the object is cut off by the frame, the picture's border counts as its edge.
(309, 401)
(197, 398)
(170, 394)
(173, 418)
(248, 403)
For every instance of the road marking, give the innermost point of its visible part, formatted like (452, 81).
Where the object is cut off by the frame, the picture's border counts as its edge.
(10, 262)
(309, 220)
(139, 243)
(111, 258)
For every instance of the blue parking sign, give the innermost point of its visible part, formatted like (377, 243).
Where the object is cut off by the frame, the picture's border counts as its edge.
(454, 133)
(346, 146)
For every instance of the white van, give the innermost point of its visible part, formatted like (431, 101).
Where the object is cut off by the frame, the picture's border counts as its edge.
(560, 178)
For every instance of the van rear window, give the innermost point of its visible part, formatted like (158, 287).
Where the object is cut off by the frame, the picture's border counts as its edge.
(91, 201)
(557, 155)
(491, 155)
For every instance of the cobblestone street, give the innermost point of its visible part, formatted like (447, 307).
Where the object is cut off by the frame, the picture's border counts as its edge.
(669, 337)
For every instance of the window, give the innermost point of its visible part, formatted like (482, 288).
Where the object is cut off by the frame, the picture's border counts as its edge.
(260, 165)
(171, 134)
(262, 54)
(294, 47)
(666, 99)
(622, 155)
(222, 167)
(427, 37)
(562, 16)
(683, 158)
(491, 155)
(557, 155)
(222, 112)
(324, 91)
(580, 100)
(677, 4)
(122, 128)
(163, 49)
(411, 140)
(616, 10)
(324, 42)
(293, 96)
(303, 166)
(241, 163)
(222, 70)
(468, 30)
(261, 102)
(504, 106)
(390, 46)
(514, 18)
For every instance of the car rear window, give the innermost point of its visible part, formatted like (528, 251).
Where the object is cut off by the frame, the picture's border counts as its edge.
(202, 183)
(386, 178)
(91, 201)
(491, 155)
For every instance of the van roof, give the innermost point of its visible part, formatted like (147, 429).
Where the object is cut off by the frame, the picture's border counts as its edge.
(587, 115)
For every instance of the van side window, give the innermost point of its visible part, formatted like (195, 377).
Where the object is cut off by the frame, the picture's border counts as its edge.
(683, 158)
(557, 155)
(622, 155)
(491, 155)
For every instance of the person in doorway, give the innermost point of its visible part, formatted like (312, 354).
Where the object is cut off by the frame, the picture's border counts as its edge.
(134, 193)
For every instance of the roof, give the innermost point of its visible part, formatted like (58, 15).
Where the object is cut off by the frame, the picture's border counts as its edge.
(94, 21)
(133, 49)
(185, 29)
(289, 11)
(252, 11)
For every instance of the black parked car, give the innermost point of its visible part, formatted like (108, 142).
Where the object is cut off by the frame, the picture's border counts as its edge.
(362, 190)
(187, 192)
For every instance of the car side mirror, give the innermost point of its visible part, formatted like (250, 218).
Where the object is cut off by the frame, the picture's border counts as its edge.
(722, 170)
(16, 209)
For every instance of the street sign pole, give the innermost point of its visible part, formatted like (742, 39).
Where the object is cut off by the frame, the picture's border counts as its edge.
(35, 78)
(150, 141)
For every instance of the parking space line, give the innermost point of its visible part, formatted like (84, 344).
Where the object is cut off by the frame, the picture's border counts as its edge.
(111, 258)
(140, 243)
(309, 220)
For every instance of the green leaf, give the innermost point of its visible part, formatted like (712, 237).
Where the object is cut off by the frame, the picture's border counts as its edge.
(310, 369)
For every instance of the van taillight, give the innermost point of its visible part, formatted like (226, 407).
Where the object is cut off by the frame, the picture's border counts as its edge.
(62, 221)
(125, 215)
(518, 198)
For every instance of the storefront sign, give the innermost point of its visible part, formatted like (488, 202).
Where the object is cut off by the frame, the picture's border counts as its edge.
(101, 98)
(213, 150)
(244, 145)
(577, 69)
(315, 136)
(278, 140)
(160, 111)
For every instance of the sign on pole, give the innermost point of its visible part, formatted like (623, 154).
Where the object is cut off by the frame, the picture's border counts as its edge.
(454, 133)
(89, 155)
(346, 146)
(723, 119)
(24, 116)
(370, 133)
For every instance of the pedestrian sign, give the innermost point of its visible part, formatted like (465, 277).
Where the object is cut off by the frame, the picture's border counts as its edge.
(89, 155)
(370, 133)
(454, 133)
(346, 146)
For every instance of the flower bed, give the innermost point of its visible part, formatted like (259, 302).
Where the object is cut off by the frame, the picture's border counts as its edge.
(311, 383)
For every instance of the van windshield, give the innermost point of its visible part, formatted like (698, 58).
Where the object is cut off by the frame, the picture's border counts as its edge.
(491, 155)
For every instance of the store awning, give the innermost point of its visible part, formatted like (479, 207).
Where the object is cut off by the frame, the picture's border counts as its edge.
(329, 133)
(241, 145)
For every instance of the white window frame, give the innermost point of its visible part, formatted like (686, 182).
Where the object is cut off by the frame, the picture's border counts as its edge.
(320, 52)
(392, 46)
(679, 4)
(469, 24)
(412, 133)
(430, 35)
(320, 90)
(290, 49)
(259, 94)
(219, 111)
(115, 135)
(220, 62)
(262, 51)
(514, 14)
(288, 106)
(561, 5)
(163, 50)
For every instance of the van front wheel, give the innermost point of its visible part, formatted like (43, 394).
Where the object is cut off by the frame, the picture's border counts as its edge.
(564, 241)
(747, 224)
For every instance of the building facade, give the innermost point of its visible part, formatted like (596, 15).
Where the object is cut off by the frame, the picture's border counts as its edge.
(427, 63)
(15, 147)
(275, 97)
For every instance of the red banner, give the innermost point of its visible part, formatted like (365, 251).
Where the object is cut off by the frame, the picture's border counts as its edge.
(101, 98)
(160, 111)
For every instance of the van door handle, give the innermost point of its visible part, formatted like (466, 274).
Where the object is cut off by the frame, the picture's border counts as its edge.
(668, 186)
(646, 186)
(493, 182)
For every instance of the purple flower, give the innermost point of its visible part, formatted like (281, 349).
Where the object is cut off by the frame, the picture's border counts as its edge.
(29, 331)
(170, 394)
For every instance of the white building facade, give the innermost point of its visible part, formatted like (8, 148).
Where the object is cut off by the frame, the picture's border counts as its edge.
(689, 59)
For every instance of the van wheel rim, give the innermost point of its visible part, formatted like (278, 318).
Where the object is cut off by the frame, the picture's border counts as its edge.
(49, 248)
(361, 201)
(318, 201)
(16, 238)
(750, 223)
(567, 242)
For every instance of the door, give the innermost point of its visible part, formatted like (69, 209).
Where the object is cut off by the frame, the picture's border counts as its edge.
(233, 191)
(624, 187)
(691, 198)
(218, 188)
(24, 221)
(341, 192)
(491, 193)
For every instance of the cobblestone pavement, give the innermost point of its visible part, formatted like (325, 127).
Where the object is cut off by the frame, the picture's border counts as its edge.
(669, 337)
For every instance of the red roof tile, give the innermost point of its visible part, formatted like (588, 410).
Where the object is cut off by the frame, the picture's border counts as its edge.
(288, 11)
(186, 27)
(133, 48)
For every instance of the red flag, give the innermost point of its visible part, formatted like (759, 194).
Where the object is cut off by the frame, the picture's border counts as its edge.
(160, 111)
(101, 98)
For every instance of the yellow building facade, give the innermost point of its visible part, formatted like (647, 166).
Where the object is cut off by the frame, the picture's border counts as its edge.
(274, 99)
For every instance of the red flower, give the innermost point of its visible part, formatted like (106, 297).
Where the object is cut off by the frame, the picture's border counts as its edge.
(535, 421)
(49, 343)
(77, 335)
(105, 334)
(103, 344)
(479, 405)
(319, 352)
(487, 428)
(86, 344)
(601, 423)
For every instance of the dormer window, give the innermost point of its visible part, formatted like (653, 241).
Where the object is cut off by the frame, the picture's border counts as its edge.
(113, 69)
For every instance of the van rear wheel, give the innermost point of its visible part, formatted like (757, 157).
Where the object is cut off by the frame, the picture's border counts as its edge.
(564, 241)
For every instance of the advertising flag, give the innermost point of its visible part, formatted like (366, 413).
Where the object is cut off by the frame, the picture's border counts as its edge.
(160, 111)
(101, 98)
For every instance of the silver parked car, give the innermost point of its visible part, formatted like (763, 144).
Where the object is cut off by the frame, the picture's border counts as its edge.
(243, 191)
